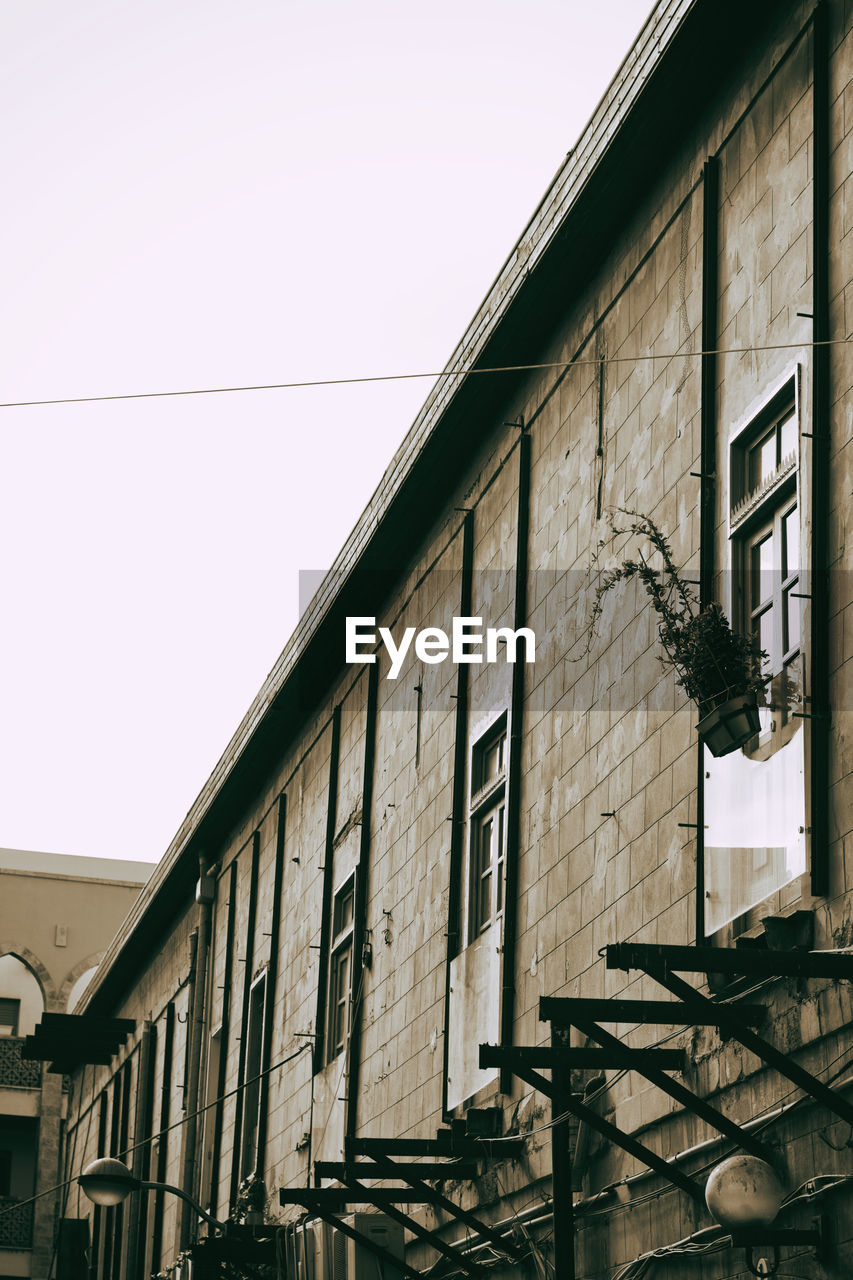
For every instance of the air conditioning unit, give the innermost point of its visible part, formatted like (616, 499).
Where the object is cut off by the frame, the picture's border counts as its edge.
(318, 1251)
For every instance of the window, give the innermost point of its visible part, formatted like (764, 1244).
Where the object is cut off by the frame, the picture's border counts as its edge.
(754, 799)
(10, 1011)
(765, 530)
(487, 829)
(340, 968)
(772, 563)
(254, 1046)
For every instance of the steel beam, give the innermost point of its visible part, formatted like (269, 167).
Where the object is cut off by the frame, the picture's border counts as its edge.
(473, 1148)
(620, 1057)
(342, 1196)
(731, 960)
(682, 1013)
(438, 1172)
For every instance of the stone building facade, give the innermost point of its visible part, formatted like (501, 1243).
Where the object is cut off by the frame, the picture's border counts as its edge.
(384, 874)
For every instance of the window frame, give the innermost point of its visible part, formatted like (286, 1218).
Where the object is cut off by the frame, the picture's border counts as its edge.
(752, 513)
(252, 1049)
(6, 1003)
(341, 940)
(487, 811)
(756, 513)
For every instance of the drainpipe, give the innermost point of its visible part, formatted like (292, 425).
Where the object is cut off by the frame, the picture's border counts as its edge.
(204, 895)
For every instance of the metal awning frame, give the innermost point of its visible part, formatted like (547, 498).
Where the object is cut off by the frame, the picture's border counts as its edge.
(458, 1164)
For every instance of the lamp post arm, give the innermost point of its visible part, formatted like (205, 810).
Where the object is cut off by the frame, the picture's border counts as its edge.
(176, 1191)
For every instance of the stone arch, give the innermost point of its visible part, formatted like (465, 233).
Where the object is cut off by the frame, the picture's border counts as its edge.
(38, 970)
(90, 962)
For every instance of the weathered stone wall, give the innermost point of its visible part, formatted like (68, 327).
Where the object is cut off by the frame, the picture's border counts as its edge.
(609, 752)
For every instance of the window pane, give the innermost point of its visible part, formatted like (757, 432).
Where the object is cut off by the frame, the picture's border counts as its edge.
(492, 761)
(485, 845)
(761, 587)
(764, 629)
(762, 460)
(343, 909)
(792, 620)
(499, 859)
(788, 433)
(340, 999)
(791, 527)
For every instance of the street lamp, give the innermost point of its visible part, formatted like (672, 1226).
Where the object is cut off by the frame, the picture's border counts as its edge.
(745, 1194)
(108, 1182)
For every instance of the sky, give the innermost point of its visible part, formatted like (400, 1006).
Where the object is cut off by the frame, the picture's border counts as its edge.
(208, 194)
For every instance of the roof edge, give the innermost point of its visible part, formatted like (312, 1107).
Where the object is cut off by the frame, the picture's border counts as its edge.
(653, 41)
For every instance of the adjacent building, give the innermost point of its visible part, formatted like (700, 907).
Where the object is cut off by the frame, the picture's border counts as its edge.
(57, 916)
(401, 858)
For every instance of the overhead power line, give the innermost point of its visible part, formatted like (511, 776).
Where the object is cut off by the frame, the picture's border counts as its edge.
(404, 377)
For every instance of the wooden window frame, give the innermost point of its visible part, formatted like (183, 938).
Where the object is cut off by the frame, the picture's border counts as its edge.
(339, 1018)
(487, 813)
(252, 1066)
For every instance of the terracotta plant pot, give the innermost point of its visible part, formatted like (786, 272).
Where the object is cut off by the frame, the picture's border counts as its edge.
(731, 724)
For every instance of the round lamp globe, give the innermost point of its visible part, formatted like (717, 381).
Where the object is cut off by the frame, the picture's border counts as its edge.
(744, 1191)
(107, 1182)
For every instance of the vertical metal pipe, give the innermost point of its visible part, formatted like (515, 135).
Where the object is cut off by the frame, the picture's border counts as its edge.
(516, 739)
(195, 1037)
(141, 1163)
(818, 725)
(328, 886)
(272, 976)
(561, 1176)
(98, 1216)
(457, 814)
(708, 465)
(236, 1150)
(353, 1082)
(222, 1076)
(163, 1141)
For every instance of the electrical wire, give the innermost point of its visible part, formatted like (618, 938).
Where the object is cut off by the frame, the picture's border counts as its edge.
(403, 377)
(60, 1186)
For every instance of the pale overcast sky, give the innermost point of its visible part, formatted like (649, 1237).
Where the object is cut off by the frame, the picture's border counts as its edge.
(203, 194)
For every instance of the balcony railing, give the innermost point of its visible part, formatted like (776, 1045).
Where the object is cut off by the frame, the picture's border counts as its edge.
(17, 1072)
(16, 1224)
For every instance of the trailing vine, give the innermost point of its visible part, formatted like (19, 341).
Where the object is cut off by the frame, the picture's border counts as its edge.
(712, 663)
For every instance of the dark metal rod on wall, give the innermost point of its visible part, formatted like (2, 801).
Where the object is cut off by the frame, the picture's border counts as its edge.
(142, 1129)
(360, 909)
(196, 1026)
(163, 1145)
(562, 1194)
(707, 464)
(818, 726)
(328, 891)
(516, 740)
(97, 1218)
(272, 976)
(225, 1023)
(457, 810)
(249, 942)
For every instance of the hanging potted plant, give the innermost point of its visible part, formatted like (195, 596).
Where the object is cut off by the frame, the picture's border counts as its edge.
(717, 667)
